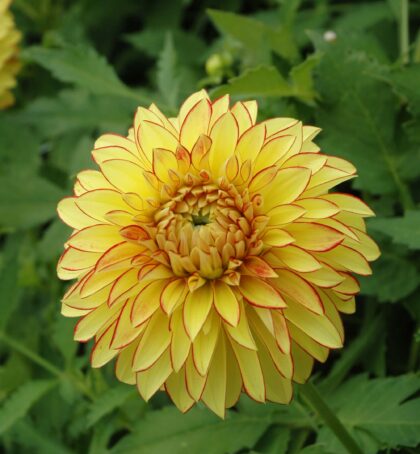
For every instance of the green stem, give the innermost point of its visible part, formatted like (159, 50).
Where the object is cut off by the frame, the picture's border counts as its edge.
(35, 358)
(404, 32)
(312, 397)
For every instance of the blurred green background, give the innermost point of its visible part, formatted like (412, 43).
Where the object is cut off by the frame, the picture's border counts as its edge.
(352, 68)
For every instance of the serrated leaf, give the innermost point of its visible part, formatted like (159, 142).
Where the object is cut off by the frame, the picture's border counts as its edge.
(377, 412)
(27, 202)
(167, 73)
(258, 42)
(83, 66)
(17, 145)
(108, 402)
(403, 230)
(36, 441)
(166, 431)
(20, 402)
(358, 117)
(393, 278)
(10, 291)
(77, 110)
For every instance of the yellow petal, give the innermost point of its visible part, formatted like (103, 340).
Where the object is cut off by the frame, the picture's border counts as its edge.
(195, 123)
(251, 372)
(123, 365)
(96, 238)
(296, 259)
(316, 326)
(286, 187)
(72, 215)
(88, 326)
(218, 108)
(173, 294)
(278, 238)
(195, 382)
(292, 285)
(214, 395)
(224, 136)
(147, 302)
(259, 293)
(284, 214)
(196, 309)
(226, 303)
(154, 342)
(277, 388)
(303, 364)
(149, 381)
(125, 332)
(234, 378)
(349, 203)
(102, 352)
(250, 143)
(204, 343)
(243, 117)
(314, 237)
(318, 208)
(316, 350)
(176, 387)
(181, 343)
(164, 160)
(190, 102)
(273, 151)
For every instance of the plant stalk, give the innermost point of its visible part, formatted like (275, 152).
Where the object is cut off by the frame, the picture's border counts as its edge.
(312, 397)
(404, 32)
(51, 368)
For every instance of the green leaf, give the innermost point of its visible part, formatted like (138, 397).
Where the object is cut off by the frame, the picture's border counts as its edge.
(17, 145)
(82, 66)
(31, 437)
(10, 291)
(259, 81)
(109, 401)
(20, 402)
(198, 431)
(353, 354)
(377, 412)
(266, 81)
(393, 278)
(358, 117)
(167, 73)
(27, 202)
(75, 110)
(258, 42)
(190, 48)
(403, 230)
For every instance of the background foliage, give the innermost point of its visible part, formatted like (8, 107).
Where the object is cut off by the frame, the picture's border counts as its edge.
(88, 64)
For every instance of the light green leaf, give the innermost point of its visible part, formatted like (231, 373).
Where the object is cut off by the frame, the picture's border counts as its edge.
(20, 402)
(27, 202)
(403, 230)
(82, 66)
(196, 432)
(301, 77)
(259, 81)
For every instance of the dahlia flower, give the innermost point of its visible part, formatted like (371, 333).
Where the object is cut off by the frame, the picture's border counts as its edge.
(9, 66)
(210, 257)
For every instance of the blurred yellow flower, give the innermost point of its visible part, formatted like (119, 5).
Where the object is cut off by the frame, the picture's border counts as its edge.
(210, 257)
(9, 65)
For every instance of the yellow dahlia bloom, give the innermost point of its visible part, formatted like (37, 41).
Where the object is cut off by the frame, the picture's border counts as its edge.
(9, 65)
(210, 257)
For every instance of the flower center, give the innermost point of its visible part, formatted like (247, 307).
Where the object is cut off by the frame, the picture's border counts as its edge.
(206, 230)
